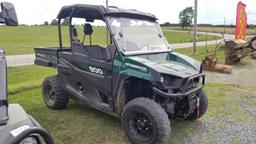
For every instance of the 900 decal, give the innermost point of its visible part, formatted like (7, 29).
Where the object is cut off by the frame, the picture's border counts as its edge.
(96, 70)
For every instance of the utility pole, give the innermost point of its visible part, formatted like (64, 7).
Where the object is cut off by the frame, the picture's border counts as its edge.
(107, 33)
(195, 28)
(224, 25)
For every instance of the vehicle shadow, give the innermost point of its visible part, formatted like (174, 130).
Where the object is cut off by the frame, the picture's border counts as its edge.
(180, 129)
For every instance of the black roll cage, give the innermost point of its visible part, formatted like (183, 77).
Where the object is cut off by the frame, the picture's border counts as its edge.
(71, 35)
(102, 14)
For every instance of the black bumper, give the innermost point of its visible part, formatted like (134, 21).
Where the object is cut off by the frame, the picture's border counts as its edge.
(184, 93)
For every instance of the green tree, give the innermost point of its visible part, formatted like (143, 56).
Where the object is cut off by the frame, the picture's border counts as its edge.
(65, 21)
(46, 23)
(167, 24)
(54, 22)
(186, 16)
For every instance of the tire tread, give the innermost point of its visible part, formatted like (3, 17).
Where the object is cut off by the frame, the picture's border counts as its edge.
(61, 99)
(159, 115)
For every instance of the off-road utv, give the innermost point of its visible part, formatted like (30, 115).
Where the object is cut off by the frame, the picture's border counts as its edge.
(136, 77)
(16, 126)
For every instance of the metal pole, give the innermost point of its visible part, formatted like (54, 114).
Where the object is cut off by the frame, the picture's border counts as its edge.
(224, 25)
(207, 42)
(195, 27)
(107, 34)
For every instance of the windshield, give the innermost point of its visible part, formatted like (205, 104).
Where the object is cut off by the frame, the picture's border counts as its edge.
(138, 36)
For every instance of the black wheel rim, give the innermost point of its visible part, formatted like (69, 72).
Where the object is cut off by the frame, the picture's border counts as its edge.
(50, 94)
(141, 126)
(253, 44)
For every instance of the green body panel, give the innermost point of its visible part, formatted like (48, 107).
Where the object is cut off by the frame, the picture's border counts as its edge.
(128, 66)
(183, 59)
(82, 66)
(143, 66)
(89, 68)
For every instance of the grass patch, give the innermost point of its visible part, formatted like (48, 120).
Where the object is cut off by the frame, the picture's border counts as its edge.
(76, 124)
(201, 53)
(81, 124)
(183, 37)
(250, 31)
(26, 77)
(22, 39)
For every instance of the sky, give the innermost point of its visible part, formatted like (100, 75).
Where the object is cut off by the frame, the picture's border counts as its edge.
(209, 11)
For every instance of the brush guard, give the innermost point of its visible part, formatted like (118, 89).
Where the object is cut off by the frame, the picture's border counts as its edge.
(185, 91)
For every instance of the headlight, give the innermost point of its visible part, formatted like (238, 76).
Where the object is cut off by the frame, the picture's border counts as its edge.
(166, 79)
(169, 80)
(200, 80)
(162, 79)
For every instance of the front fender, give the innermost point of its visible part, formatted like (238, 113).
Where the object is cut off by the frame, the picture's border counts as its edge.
(186, 60)
(127, 66)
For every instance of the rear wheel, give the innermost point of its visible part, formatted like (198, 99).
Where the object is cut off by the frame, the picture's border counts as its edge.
(54, 96)
(253, 43)
(145, 121)
(203, 105)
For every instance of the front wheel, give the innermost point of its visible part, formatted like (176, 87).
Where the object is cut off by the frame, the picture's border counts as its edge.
(145, 121)
(253, 43)
(54, 96)
(203, 105)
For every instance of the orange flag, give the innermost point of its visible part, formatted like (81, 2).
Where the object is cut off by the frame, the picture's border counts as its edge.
(241, 21)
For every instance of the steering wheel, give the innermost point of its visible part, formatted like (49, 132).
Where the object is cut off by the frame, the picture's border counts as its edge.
(32, 132)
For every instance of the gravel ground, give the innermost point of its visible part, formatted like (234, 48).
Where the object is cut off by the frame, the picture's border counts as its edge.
(242, 74)
(236, 132)
(253, 98)
(229, 128)
(214, 130)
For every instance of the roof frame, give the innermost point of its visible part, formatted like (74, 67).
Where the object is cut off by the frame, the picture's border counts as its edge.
(92, 12)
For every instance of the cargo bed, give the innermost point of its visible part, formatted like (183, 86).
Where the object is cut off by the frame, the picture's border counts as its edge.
(46, 56)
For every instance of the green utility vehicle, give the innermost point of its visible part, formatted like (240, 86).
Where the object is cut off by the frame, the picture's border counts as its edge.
(136, 76)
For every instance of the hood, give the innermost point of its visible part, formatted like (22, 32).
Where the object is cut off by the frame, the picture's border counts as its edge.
(169, 63)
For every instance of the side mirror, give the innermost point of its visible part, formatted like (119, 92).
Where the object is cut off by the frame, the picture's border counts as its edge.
(8, 14)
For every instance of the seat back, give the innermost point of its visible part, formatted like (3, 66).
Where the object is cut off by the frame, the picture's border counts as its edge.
(88, 31)
(97, 52)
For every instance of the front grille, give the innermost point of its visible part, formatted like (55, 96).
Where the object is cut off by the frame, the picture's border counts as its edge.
(192, 85)
(194, 82)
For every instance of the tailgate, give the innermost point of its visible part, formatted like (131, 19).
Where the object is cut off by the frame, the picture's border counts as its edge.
(46, 57)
